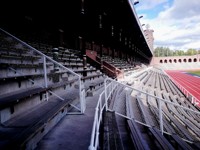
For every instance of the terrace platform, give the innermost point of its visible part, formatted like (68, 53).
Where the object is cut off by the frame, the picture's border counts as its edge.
(73, 132)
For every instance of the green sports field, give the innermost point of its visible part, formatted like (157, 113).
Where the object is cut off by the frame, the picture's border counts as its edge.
(195, 72)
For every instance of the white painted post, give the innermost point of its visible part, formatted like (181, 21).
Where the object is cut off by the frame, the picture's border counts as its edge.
(45, 76)
(97, 129)
(160, 115)
(81, 97)
(193, 100)
(45, 71)
(105, 87)
(92, 142)
(100, 102)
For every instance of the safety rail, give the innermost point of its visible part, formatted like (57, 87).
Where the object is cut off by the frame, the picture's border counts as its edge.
(110, 86)
(44, 59)
(194, 100)
(101, 105)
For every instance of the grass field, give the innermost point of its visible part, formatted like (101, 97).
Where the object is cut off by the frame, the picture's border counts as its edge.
(195, 72)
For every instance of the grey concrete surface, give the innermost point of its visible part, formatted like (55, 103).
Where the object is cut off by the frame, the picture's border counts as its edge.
(73, 132)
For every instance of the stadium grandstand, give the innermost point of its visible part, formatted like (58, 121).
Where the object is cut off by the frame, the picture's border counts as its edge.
(80, 74)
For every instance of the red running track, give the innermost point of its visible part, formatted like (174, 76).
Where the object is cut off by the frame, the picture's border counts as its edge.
(189, 82)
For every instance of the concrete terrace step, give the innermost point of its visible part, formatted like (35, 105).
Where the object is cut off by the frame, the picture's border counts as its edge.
(28, 128)
(10, 99)
(16, 75)
(73, 132)
(7, 100)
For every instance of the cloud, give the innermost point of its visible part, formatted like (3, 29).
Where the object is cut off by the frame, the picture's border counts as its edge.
(149, 4)
(177, 26)
(182, 9)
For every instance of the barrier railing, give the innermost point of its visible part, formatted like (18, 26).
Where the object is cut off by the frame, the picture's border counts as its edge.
(50, 68)
(105, 98)
(189, 95)
(101, 105)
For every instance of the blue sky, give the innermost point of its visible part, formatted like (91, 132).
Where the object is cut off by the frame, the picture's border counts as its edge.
(151, 8)
(176, 23)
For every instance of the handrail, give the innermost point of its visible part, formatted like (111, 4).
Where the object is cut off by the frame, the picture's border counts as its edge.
(166, 101)
(96, 123)
(108, 90)
(45, 57)
(97, 119)
(194, 98)
(32, 48)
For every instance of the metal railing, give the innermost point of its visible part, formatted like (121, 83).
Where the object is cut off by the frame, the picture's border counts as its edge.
(110, 86)
(194, 100)
(101, 105)
(44, 59)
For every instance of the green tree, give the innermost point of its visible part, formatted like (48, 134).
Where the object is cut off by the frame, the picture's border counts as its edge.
(191, 51)
(165, 51)
(180, 52)
(162, 52)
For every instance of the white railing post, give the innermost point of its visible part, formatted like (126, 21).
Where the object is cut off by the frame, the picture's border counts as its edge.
(106, 100)
(45, 76)
(160, 115)
(100, 105)
(81, 97)
(45, 71)
(97, 129)
(84, 102)
(193, 100)
(92, 142)
(112, 86)
(127, 104)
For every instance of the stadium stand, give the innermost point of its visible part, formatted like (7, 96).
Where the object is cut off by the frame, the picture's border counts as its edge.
(36, 92)
(178, 128)
(46, 77)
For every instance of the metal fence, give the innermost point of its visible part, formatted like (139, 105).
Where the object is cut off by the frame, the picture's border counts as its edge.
(48, 73)
(194, 100)
(112, 87)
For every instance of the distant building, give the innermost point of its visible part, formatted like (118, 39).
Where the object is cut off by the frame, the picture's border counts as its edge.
(149, 36)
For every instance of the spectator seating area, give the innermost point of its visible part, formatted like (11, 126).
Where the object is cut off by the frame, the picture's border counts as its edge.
(118, 63)
(36, 91)
(41, 84)
(136, 112)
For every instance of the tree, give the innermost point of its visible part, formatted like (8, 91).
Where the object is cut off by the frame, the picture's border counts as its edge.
(165, 51)
(191, 52)
(162, 52)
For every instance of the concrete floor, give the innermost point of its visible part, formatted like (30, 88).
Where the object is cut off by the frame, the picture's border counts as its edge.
(73, 132)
